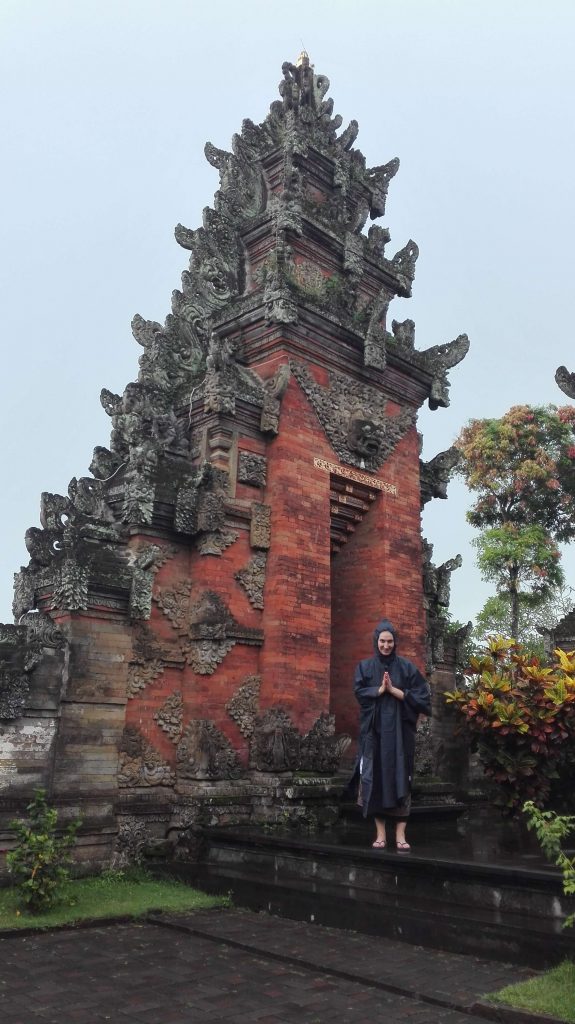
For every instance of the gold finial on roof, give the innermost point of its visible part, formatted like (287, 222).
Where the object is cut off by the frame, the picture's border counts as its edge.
(303, 60)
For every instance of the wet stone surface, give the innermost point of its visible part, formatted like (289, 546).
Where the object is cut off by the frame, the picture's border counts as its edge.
(234, 966)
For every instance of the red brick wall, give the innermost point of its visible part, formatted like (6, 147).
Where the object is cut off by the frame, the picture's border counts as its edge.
(377, 574)
(295, 658)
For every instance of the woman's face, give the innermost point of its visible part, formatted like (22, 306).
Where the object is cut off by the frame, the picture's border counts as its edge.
(385, 642)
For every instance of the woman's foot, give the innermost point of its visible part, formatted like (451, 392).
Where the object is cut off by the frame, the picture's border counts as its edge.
(379, 844)
(402, 846)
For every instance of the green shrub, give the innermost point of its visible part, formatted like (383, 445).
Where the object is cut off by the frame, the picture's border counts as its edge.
(551, 828)
(40, 862)
(521, 717)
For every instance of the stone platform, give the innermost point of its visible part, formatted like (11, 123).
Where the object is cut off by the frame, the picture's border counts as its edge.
(474, 887)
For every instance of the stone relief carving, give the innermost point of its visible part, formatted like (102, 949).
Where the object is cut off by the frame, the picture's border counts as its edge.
(200, 503)
(130, 842)
(353, 418)
(321, 750)
(140, 764)
(146, 563)
(205, 753)
(243, 706)
(275, 742)
(252, 469)
(253, 578)
(22, 648)
(175, 604)
(169, 717)
(141, 675)
(215, 543)
(70, 587)
(274, 390)
(207, 629)
(436, 593)
(205, 655)
(436, 474)
(261, 526)
(14, 690)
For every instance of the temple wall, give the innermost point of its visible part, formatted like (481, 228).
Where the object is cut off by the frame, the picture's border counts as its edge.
(295, 658)
(377, 574)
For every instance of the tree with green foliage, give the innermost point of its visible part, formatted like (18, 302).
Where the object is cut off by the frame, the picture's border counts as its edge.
(523, 562)
(494, 619)
(522, 467)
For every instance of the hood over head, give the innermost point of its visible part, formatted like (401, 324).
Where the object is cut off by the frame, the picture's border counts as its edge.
(384, 625)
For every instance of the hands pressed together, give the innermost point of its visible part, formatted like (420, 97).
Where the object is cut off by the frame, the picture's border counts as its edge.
(388, 687)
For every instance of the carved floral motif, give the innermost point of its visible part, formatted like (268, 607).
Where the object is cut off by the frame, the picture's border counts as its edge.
(260, 526)
(253, 578)
(169, 717)
(243, 706)
(140, 675)
(252, 469)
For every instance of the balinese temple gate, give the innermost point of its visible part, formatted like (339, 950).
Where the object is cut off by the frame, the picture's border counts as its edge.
(189, 621)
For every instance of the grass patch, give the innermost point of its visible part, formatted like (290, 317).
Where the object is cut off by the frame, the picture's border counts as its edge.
(112, 894)
(552, 993)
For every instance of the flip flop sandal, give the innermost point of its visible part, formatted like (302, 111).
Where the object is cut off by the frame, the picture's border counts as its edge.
(379, 844)
(403, 847)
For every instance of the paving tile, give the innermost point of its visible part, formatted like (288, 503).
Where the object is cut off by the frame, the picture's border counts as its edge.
(147, 974)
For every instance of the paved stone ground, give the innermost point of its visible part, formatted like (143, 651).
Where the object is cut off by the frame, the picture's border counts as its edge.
(235, 967)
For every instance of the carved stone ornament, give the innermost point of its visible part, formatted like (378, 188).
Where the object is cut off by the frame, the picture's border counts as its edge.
(436, 360)
(205, 655)
(261, 526)
(321, 750)
(175, 604)
(140, 764)
(252, 469)
(14, 690)
(146, 563)
(275, 742)
(566, 381)
(436, 594)
(215, 543)
(274, 390)
(22, 648)
(253, 578)
(24, 593)
(130, 842)
(71, 587)
(353, 418)
(169, 717)
(205, 753)
(243, 706)
(200, 503)
(207, 627)
(140, 675)
(436, 474)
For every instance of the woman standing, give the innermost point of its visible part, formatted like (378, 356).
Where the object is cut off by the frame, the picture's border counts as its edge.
(392, 693)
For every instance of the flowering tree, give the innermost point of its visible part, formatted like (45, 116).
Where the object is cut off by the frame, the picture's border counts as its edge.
(522, 467)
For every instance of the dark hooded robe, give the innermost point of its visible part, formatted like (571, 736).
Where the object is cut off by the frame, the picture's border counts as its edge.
(384, 769)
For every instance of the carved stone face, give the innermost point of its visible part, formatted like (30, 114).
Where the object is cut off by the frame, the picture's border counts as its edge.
(364, 436)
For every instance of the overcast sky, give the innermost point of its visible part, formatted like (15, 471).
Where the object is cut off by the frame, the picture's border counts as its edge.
(105, 109)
